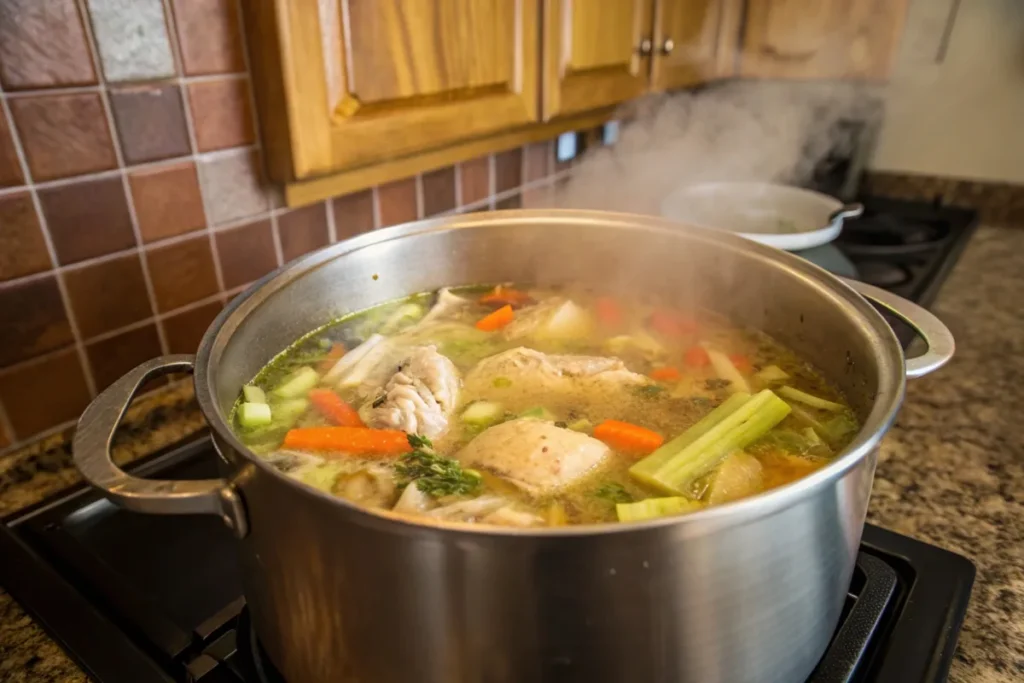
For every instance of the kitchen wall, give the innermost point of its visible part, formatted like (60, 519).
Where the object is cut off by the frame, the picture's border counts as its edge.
(956, 99)
(132, 204)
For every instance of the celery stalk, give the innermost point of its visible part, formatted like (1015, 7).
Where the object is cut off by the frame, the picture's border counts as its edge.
(655, 507)
(772, 373)
(810, 400)
(726, 370)
(673, 467)
(254, 414)
(253, 394)
(298, 383)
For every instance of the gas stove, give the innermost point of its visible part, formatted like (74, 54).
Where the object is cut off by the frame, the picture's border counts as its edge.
(147, 598)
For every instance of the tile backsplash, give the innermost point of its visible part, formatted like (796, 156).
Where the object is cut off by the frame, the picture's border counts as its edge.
(132, 200)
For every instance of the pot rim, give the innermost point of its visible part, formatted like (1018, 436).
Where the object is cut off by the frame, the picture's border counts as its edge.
(887, 400)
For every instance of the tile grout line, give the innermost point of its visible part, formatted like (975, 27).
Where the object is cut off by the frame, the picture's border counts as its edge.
(418, 186)
(458, 184)
(38, 437)
(492, 181)
(130, 83)
(332, 228)
(275, 235)
(375, 206)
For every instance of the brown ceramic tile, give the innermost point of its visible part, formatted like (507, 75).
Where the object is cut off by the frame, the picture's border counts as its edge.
(10, 169)
(87, 219)
(508, 170)
(150, 122)
(397, 202)
(43, 44)
(33, 320)
(353, 214)
(438, 191)
(536, 161)
(475, 179)
(210, 36)
(513, 202)
(184, 331)
(182, 273)
(107, 295)
(167, 201)
(303, 230)
(246, 253)
(114, 356)
(22, 248)
(221, 113)
(30, 399)
(63, 135)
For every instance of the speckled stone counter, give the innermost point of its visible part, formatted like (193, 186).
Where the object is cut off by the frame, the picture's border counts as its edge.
(951, 472)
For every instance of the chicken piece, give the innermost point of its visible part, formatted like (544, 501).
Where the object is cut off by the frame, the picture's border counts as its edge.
(372, 487)
(535, 455)
(571, 381)
(419, 398)
(469, 510)
(448, 306)
(740, 475)
(512, 516)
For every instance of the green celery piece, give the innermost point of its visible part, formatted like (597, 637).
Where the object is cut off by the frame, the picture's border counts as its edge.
(655, 507)
(253, 394)
(810, 400)
(254, 415)
(298, 383)
(539, 413)
(483, 413)
(698, 450)
(288, 411)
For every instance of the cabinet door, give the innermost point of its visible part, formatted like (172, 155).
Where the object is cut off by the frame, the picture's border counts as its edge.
(592, 53)
(354, 82)
(821, 38)
(686, 42)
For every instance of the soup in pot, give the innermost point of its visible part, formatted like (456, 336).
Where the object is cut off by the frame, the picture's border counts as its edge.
(528, 407)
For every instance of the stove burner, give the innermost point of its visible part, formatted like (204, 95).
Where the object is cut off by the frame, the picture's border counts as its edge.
(883, 274)
(886, 235)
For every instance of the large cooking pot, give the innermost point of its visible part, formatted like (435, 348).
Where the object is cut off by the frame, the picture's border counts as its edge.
(749, 591)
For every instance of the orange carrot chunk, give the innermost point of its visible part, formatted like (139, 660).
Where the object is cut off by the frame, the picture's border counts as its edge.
(609, 313)
(671, 324)
(333, 356)
(496, 320)
(628, 437)
(665, 374)
(357, 440)
(334, 408)
(696, 357)
(506, 296)
(742, 363)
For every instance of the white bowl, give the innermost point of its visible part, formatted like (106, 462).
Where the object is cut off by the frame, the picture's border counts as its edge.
(781, 216)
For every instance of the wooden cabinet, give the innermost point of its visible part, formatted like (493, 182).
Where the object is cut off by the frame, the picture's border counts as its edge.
(593, 53)
(348, 83)
(854, 39)
(688, 37)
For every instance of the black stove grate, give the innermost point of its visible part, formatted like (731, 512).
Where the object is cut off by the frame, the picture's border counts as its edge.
(145, 598)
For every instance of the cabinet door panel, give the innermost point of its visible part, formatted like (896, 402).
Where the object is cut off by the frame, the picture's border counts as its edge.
(694, 27)
(591, 53)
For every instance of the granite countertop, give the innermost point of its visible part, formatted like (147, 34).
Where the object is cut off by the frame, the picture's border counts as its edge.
(951, 471)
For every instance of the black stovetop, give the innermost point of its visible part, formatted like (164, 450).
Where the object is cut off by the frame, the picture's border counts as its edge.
(146, 598)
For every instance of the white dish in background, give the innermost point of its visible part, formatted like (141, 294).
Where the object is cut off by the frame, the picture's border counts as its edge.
(781, 216)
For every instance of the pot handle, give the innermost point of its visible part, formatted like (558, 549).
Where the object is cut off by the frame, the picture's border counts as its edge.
(934, 332)
(846, 211)
(91, 448)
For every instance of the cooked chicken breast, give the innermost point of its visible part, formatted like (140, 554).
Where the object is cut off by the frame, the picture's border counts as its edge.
(419, 398)
(536, 456)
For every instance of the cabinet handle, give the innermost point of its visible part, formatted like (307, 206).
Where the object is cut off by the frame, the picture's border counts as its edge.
(667, 46)
(645, 48)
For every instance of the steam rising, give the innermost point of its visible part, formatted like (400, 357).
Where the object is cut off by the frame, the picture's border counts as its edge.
(740, 131)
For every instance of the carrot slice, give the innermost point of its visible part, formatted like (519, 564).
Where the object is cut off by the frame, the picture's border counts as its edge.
(671, 324)
(496, 320)
(696, 357)
(358, 440)
(628, 437)
(609, 313)
(741, 362)
(333, 356)
(505, 296)
(334, 408)
(665, 374)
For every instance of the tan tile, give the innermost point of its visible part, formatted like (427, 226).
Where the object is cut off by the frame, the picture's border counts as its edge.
(221, 113)
(397, 202)
(185, 330)
(44, 394)
(43, 45)
(438, 191)
(303, 230)
(182, 273)
(246, 253)
(63, 135)
(22, 248)
(115, 356)
(475, 179)
(10, 169)
(167, 201)
(87, 219)
(537, 161)
(209, 32)
(234, 187)
(150, 122)
(353, 214)
(33, 320)
(131, 37)
(508, 170)
(107, 295)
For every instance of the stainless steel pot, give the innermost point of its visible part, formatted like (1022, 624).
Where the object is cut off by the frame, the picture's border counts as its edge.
(749, 591)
